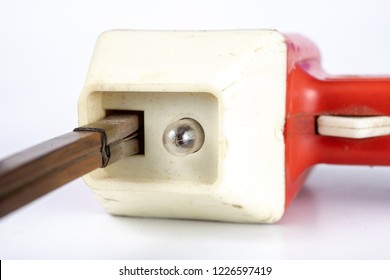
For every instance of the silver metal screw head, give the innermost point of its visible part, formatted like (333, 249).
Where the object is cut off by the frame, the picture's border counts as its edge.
(183, 137)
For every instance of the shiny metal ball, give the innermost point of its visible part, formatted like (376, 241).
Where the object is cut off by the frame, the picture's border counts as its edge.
(183, 137)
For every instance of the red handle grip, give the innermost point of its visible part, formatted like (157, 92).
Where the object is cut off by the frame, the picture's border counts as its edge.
(312, 93)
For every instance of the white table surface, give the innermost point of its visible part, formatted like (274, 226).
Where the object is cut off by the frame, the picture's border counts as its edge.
(46, 46)
(341, 213)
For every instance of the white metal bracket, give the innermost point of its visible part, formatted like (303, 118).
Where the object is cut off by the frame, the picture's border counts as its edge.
(353, 127)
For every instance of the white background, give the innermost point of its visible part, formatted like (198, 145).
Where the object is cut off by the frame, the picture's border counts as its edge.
(45, 50)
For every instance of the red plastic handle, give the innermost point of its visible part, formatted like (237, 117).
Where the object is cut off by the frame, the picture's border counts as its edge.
(311, 93)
